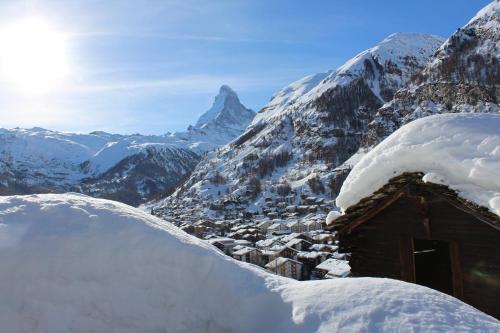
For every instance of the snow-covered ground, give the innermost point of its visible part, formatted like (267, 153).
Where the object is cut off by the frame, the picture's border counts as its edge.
(70, 263)
(461, 151)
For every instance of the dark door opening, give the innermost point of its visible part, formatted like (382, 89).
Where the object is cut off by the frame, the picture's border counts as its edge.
(433, 264)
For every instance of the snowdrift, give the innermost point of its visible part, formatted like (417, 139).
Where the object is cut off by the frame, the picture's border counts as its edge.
(461, 151)
(70, 263)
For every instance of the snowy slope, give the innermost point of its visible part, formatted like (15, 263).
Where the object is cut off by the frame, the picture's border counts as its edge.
(71, 263)
(39, 160)
(38, 146)
(461, 151)
(385, 67)
(308, 129)
(463, 76)
(128, 168)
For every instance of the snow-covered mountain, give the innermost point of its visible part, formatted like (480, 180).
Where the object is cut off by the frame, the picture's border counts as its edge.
(308, 128)
(102, 164)
(127, 168)
(224, 121)
(463, 76)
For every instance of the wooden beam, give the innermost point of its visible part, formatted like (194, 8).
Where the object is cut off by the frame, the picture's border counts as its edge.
(373, 212)
(456, 270)
(464, 208)
(407, 259)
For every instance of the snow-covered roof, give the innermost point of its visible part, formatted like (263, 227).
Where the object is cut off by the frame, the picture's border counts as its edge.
(222, 240)
(72, 263)
(319, 247)
(238, 247)
(242, 242)
(311, 222)
(274, 226)
(461, 151)
(267, 242)
(244, 251)
(295, 241)
(294, 223)
(277, 248)
(322, 236)
(287, 238)
(268, 252)
(280, 261)
(335, 267)
(311, 255)
(263, 224)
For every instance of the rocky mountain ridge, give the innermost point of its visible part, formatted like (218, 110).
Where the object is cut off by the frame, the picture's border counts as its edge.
(303, 143)
(463, 76)
(295, 143)
(128, 168)
(224, 121)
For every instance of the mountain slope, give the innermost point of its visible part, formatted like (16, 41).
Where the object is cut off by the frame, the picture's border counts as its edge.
(128, 168)
(306, 130)
(224, 121)
(463, 76)
(38, 160)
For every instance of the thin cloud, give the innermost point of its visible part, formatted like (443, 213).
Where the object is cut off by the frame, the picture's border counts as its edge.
(189, 37)
(177, 85)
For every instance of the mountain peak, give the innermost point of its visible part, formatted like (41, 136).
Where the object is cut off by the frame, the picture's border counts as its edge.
(225, 89)
(489, 12)
(400, 45)
(226, 111)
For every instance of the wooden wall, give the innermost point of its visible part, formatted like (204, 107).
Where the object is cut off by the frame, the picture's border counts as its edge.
(375, 246)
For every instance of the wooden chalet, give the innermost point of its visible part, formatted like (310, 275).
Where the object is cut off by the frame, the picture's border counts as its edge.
(426, 234)
(286, 267)
(248, 254)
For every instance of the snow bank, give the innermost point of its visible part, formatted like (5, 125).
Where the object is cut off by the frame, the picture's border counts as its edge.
(461, 151)
(70, 263)
(332, 216)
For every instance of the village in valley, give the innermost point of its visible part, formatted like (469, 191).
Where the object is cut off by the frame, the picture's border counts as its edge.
(286, 239)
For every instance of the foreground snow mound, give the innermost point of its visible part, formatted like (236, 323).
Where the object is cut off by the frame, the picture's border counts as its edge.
(461, 151)
(70, 263)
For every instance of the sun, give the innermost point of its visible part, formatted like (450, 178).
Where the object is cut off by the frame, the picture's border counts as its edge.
(33, 55)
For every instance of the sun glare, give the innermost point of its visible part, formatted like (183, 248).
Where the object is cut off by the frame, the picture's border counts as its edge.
(33, 55)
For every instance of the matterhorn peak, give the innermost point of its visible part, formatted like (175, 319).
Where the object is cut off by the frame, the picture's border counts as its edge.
(226, 111)
(225, 89)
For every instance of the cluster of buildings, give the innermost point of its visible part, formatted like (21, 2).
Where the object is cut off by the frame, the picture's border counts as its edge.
(300, 249)
(286, 236)
(290, 207)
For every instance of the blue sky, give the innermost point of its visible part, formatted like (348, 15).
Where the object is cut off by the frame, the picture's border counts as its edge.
(155, 66)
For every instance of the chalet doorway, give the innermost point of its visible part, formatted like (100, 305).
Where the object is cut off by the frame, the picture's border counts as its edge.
(433, 267)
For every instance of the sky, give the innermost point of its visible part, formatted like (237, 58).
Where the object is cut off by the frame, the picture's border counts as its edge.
(155, 66)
